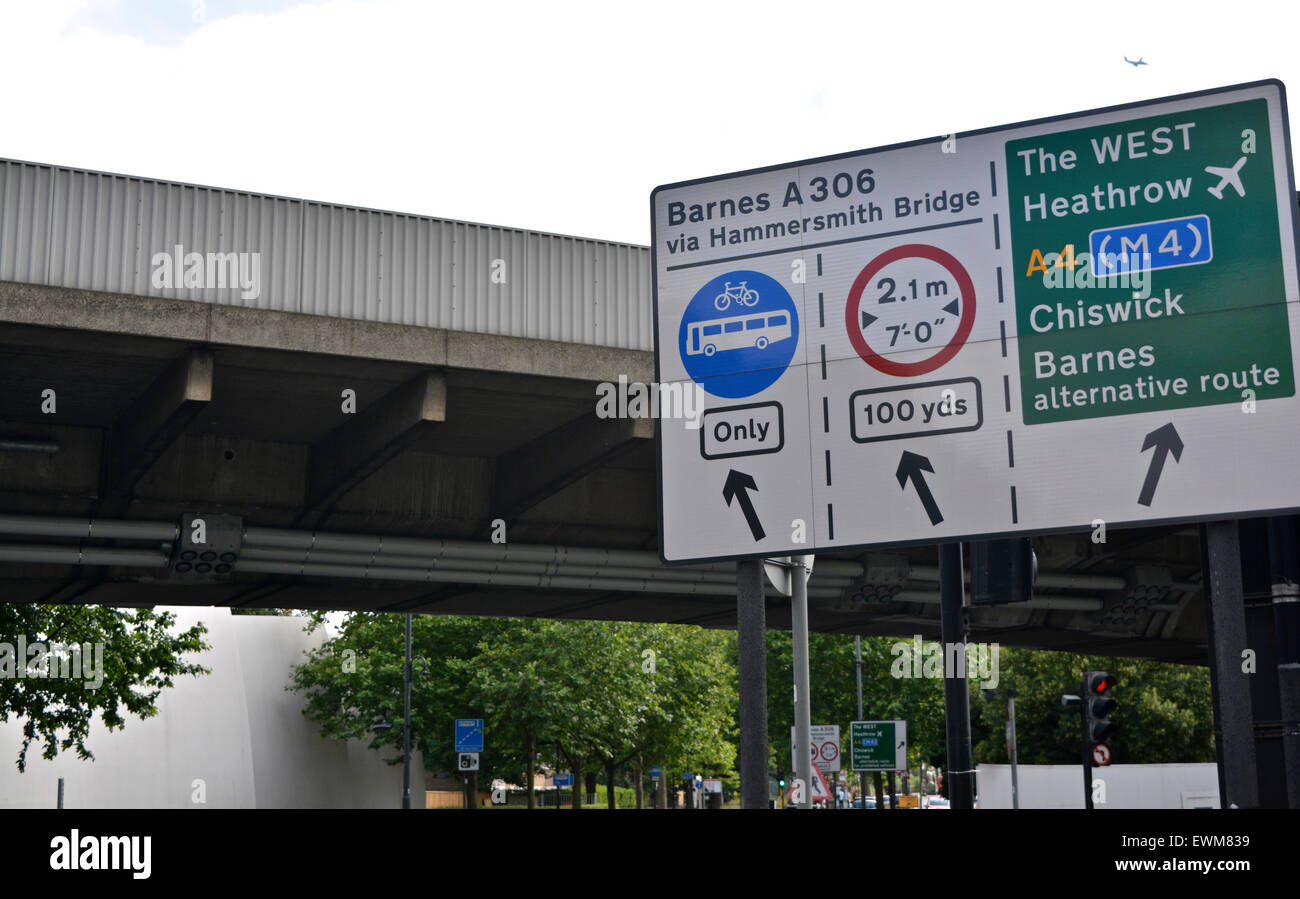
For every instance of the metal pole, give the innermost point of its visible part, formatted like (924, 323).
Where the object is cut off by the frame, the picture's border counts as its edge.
(1086, 756)
(1286, 625)
(751, 639)
(857, 655)
(1225, 619)
(952, 626)
(60, 805)
(1011, 746)
(406, 726)
(802, 707)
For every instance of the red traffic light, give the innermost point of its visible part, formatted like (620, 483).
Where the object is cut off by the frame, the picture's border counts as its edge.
(1095, 682)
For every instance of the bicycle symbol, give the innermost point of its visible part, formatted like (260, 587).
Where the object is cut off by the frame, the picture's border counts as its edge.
(741, 294)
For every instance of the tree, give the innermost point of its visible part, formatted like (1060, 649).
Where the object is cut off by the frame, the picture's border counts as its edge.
(603, 694)
(1165, 712)
(693, 723)
(124, 660)
(519, 678)
(889, 692)
(355, 680)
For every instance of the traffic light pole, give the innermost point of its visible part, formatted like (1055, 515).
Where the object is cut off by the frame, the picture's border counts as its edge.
(1087, 749)
(1011, 747)
(406, 721)
(952, 627)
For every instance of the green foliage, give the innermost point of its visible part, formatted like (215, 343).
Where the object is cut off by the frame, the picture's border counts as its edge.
(832, 677)
(140, 659)
(1164, 712)
(585, 690)
(647, 694)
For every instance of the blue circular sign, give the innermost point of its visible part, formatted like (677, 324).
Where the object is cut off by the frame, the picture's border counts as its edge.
(738, 334)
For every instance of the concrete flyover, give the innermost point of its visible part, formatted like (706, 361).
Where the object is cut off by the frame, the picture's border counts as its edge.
(127, 406)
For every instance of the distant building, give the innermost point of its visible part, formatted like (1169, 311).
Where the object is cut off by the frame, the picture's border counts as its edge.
(236, 736)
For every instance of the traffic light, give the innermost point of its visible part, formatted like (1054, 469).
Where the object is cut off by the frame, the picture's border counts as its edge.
(1098, 705)
(780, 776)
(1002, 571)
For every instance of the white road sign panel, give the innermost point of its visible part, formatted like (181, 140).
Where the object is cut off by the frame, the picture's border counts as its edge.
(1018, 330)
(825, 750)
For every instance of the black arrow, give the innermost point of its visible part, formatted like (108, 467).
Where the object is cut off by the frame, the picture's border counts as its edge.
(738, 486)
(1165, 439)
(867, 319)
(952, 307)
(910, 466)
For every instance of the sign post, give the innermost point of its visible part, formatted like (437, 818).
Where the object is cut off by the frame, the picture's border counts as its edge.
(751, 650)
(561, 780)
(878, 745)
(1076, 323)
(803, 761)
(469, 743)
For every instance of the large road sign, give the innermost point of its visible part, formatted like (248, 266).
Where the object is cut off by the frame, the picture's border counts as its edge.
(878, 745)
(1023, 329)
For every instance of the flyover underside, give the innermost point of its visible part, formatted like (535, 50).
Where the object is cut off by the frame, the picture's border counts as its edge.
(159, 408)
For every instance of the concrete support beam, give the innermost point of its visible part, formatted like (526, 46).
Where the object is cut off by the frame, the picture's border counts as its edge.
(217, 325)
(543, 467)
(360, 447)
(153, 423)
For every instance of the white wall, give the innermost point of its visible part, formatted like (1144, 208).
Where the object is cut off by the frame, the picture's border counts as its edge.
(238, 729)
(1126, 786)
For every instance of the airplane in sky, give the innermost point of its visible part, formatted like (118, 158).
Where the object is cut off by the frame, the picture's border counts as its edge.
(1139, 62)
(1227, 176)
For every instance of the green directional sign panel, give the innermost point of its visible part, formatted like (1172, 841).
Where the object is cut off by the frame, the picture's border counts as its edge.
(1149, 265)
(878, 745)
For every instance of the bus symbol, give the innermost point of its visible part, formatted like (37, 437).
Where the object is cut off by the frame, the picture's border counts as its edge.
(737, 332)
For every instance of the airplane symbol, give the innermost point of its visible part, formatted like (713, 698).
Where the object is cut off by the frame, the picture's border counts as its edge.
(1139, 62)
(1227, 176)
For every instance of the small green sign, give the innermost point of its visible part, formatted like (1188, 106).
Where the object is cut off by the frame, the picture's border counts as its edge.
(878, 745)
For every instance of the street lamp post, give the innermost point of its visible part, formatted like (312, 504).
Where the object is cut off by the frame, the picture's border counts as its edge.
(406, 725)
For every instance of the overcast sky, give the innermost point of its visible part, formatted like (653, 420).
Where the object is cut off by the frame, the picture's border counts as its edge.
(563, 117)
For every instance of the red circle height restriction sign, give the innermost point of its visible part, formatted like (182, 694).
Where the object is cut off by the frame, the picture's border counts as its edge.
(967, 321)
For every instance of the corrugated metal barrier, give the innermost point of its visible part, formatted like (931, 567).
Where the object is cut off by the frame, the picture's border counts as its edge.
(94, 231)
